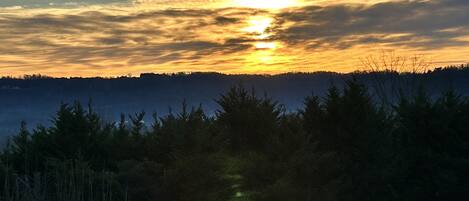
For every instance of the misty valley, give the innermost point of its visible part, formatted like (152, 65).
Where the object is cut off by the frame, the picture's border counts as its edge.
(356, 136)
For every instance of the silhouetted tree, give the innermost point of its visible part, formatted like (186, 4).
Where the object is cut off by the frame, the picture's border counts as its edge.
(248, 120)
(344, 146)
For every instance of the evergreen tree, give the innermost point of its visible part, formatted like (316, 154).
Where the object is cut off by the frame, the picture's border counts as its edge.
(249, 121)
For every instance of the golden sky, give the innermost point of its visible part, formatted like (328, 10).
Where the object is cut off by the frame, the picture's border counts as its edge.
(120, 37)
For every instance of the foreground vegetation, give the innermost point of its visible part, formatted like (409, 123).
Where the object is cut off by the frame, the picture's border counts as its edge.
(340, 147)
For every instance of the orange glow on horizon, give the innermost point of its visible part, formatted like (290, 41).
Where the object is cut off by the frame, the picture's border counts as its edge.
(226, 36)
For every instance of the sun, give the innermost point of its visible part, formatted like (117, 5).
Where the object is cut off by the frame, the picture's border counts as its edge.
(266, 45)
(266, 4)
(258, 26)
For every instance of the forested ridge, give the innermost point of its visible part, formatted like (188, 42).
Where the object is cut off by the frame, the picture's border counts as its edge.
(35, 98)
(346, 146)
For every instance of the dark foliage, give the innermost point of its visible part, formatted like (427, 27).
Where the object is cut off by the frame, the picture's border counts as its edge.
(34, 98)
(343, 146)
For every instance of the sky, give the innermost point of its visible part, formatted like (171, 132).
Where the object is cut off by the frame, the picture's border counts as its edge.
(105, 38)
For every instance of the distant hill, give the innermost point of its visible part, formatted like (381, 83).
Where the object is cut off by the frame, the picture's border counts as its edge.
(36, 98)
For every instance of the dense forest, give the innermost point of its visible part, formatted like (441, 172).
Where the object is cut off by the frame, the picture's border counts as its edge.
(35, 98)
(345, 145)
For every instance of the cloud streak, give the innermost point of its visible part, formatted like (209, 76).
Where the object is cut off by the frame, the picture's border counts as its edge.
(110, 40)
(413, 24)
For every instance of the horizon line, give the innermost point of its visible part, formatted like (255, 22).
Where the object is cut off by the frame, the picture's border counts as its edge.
(188, 73)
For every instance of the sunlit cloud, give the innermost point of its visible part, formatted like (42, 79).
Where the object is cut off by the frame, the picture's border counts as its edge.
(266, 45)
(118, 37)
(266, 4)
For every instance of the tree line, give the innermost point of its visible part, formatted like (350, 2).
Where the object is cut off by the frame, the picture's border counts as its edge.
(112, 96)
(343, 146)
